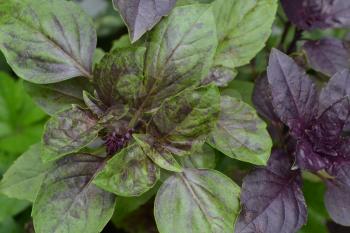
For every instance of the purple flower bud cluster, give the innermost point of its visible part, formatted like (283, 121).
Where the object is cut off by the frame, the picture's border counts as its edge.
(116, 141)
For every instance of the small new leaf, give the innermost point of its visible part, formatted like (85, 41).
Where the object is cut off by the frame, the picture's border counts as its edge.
(129, 173)
(157, 154)
(184, 120)
(141, 15)
(204, 201)
(67, 132)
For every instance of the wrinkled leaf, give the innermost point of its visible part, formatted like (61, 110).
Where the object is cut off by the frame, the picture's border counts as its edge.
(157, 154)
(272, 200)
(23, 179)
(56, 97)
(68, 132)
(241, 31)
(183, 121)
(141, 15)
(47, 41)
(69, 202)
(240, 133)
(180, 51)
(129, 173)
(197, 201)
(119, 75)
(294, 95)
(327, 55)
(337, 199)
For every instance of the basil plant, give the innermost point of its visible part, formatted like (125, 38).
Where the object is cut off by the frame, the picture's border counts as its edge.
(146, 115)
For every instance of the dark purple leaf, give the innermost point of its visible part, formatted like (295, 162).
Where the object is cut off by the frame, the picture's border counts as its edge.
(294, 95)
(327, 55)
(337, 88)
(337, 198)
(272, 199)
(141, 15)
(262, 99)
(332, 121)
(312, 14)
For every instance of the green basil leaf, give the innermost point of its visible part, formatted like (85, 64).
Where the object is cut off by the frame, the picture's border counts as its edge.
(23, 179)
(180, 51)
(141, 15)
(240, 133)
(221, 76)
(203, 158)
(204, 201)
(67, 132)
(10, 207)
(47, 41)
(9, 225)
(128, 173)
(156, 153)
(119, 75)
(183, 121)
(69, 202)
(56, 97)
(20, 119)
(243, 27)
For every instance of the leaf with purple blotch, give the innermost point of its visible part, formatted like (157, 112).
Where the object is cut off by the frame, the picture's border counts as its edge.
(294, 95)
(47, 41)
(69, 202)
(337, 198)
(313, 14)
(327, 55)
(142, 15)
(67, 132)
(272, 199)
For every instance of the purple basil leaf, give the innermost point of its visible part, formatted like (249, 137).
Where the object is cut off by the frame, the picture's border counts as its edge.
(294, 95)
(337, 198)
(141, 15)
(312, 14)
(337, 88)
(332, 121)
(272, 199)
(262, 99)
(327, 55)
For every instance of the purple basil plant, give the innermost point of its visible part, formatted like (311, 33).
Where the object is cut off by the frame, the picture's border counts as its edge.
(315, 141)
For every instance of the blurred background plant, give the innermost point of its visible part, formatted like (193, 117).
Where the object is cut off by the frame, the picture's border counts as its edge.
(21, 123)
